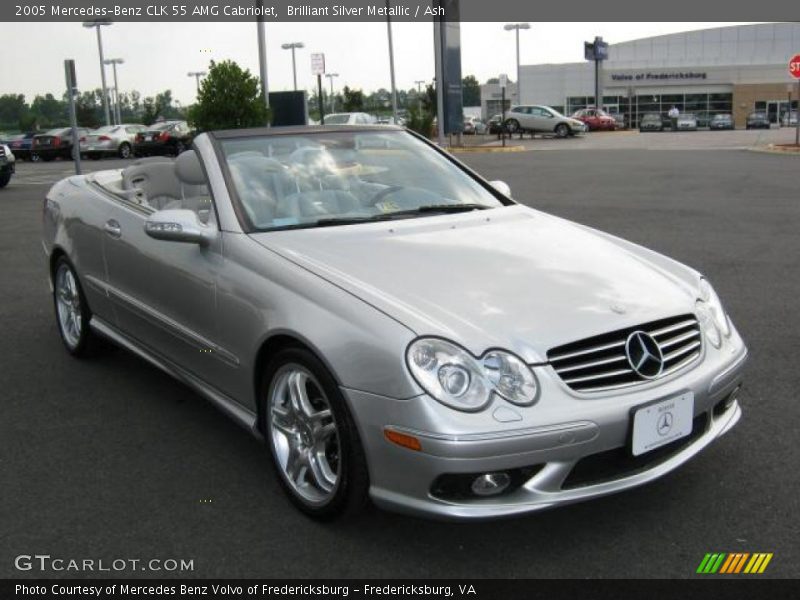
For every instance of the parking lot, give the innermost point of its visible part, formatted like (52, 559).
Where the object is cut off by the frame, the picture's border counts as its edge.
(110, 458)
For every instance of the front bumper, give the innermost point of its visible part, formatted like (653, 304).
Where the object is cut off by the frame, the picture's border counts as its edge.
(547, 441)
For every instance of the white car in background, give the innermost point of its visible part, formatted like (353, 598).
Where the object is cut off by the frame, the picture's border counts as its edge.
(542, 119)
(111, 140)
(350, 118)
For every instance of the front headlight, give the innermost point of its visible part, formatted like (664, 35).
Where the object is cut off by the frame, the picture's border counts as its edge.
(457, 379)
(714, 304)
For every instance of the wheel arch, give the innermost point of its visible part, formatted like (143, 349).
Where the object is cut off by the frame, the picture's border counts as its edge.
(270, 346)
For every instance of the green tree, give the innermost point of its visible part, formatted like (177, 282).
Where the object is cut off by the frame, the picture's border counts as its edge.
(229, 98)
(12, 108)
(470, 91)
(48, 111)
(352, 100)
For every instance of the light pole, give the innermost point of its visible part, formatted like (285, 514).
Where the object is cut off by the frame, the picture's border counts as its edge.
(197, 75)
(292, 46)
(419, 83)
(97, 24)
(114, 62)
(330, 77)
(516, 27)
(391, 63)
(262, 57)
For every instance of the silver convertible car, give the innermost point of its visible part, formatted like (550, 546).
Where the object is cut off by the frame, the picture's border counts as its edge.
(392, 325)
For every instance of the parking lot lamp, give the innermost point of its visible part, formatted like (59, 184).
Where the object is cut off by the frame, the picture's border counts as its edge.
(97, 24)
(330, 77)
(114, 62)
(516, 27)
(197, 75)
(292, 46)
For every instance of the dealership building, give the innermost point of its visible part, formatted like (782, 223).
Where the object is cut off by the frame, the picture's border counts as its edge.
(724, 70)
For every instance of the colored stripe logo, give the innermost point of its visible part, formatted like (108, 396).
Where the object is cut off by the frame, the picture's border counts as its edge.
(734, 563)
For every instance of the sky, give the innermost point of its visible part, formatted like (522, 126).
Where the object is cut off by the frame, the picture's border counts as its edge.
(158, 56)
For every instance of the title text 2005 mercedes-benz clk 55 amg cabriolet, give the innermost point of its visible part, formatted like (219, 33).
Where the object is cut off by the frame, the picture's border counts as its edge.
(394, 326)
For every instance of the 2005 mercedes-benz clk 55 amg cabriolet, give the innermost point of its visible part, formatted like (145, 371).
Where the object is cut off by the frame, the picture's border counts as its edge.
(394, 326)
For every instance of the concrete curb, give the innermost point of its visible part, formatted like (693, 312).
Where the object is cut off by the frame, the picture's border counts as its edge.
(773, 149)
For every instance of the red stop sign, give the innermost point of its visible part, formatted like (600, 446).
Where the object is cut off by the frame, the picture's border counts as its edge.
(794, 66)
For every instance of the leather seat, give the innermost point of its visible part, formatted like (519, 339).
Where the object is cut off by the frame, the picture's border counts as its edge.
(261, 184)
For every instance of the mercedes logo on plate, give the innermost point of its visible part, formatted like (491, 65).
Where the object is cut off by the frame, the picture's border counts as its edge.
(644, 355)
(664, 424)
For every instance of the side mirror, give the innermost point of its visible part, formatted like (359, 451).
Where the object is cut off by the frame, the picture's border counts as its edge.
(502, 187)
(178, 225)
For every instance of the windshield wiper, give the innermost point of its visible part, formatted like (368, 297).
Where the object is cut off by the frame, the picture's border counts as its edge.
(401, 214)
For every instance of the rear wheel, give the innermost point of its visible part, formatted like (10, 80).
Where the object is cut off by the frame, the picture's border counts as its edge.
(4, 179)
(311, 436)
(34, 157)
(562, 130)
(512, 126)
(72, 311)
(125, 150)
(180, 147)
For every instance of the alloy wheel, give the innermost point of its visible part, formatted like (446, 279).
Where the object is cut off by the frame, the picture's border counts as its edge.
(304, 435)
(68, 305)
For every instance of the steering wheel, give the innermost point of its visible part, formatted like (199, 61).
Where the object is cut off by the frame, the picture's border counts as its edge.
(383, 193)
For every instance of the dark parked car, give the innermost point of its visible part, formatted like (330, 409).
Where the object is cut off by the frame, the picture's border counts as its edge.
(167, 138)
(495, 124)
(721, 121)
(20, 145)
(757, 120)
(6, 165)
(651, 122)
(703, 118)
(55, 143)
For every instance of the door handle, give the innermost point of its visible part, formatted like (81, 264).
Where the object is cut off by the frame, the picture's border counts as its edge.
(113, 228)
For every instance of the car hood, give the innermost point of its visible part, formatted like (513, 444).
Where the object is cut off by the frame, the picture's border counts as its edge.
(511, 277)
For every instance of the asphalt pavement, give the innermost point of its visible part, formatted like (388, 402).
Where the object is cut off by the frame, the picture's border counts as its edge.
(110, 458)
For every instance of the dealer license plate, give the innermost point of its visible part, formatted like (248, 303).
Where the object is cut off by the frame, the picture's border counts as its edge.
(663, 422)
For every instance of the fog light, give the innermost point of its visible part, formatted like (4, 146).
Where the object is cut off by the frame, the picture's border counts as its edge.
(490, 484)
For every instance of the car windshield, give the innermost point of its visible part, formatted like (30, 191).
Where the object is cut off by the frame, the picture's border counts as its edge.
(651, 118)
(59, 131)
(106, 129)
(722, 117)
(758, 115)
(337, 119)
(335, 178)
(687, 116)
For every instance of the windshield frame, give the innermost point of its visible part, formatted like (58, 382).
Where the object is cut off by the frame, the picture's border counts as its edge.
(217, 137)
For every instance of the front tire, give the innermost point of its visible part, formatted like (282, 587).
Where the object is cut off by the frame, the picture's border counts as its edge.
(562, 130)
(512, 126)
(72, 310)
(311, 436)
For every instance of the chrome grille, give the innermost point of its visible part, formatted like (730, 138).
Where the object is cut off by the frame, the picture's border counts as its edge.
(599, 363)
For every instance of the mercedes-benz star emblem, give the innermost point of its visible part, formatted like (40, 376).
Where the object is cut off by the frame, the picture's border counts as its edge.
(644, 355)
(664, 424)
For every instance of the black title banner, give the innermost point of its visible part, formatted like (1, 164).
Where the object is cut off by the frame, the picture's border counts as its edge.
(399, 589)
(379, 10)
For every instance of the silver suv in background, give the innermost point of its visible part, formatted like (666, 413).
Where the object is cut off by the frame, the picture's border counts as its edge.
(111, 139)
(542, 119)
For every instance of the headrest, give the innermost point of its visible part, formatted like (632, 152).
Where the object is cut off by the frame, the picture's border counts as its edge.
(188, 169)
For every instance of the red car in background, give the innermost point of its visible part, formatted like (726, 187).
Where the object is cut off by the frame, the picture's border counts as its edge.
(596, 120)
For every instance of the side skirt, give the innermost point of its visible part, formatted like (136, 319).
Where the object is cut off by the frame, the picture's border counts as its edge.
(241, 415)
